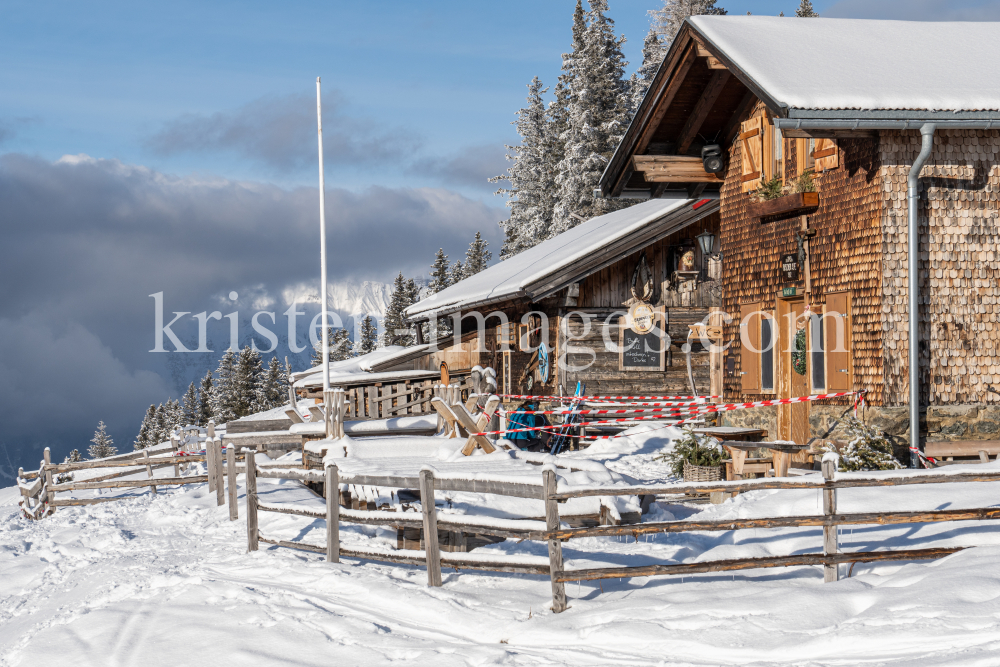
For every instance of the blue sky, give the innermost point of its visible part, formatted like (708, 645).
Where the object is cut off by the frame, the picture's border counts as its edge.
(193, 126)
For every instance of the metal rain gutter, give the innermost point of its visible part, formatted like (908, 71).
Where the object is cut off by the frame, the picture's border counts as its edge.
(913, 239)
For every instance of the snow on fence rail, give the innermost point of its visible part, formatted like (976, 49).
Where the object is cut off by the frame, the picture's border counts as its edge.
(551, 531)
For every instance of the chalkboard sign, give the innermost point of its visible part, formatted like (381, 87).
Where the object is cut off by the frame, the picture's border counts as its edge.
(642, 352)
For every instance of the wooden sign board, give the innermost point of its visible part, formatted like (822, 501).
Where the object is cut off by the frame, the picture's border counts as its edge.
(642, 352)
(790, 267)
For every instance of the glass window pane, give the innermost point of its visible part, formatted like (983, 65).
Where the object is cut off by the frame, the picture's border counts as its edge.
(766, 355)
(816, 350)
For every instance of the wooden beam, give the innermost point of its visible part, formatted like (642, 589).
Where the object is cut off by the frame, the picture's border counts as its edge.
(666, 99)
(673, 169)
(701, 109)
(729, 134)
(712, 61)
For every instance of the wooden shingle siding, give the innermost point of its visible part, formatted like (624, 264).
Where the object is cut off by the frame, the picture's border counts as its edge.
(845, 253)
(959, 265)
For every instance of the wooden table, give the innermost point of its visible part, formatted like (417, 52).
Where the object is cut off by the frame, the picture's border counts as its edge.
(781, 454)
(733, 433)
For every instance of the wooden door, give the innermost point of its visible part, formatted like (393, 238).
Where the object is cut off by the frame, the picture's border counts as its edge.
(793, 420)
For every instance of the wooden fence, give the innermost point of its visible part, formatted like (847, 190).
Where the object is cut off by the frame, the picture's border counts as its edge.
(552, 532)
(398, 399)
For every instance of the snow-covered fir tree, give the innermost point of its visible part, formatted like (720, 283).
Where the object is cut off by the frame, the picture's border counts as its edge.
(867, 449)
(205, 399)
(223, 397)
(66, 477)
(246, 381)
(395, 331)
(668, 19)
(191, 405)
(147, 429)
(175, 417)
(598, 117)
(530, 178)
(273, 390)
(477, 257)
(440, 276)
(457, 273)
(368, 338)
(806, 10)
(652, 55)
(339, 343)
(159, 425)
(103, 446)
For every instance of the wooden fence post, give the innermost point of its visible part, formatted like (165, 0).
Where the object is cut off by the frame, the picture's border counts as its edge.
(231, 465)
(328, 408)
(220, 484)
(210, 457)
(252, 532)
(831, 571)
(555, 546)
(332, 488)
(49, 494)
(149, 469)
(174, 447)
(431, 548)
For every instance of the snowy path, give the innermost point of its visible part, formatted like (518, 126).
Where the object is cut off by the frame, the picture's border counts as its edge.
(166, 581)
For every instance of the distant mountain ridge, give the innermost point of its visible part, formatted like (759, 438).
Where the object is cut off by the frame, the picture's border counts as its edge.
(351, 299)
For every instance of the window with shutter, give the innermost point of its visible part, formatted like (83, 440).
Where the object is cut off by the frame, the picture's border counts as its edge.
(839, 375)
(751, 151)
(750, 348)
(826, 155)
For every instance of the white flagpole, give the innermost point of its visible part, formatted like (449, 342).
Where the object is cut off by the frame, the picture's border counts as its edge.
(322, 259)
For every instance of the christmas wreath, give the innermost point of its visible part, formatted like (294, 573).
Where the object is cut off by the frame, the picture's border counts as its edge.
(799, 353)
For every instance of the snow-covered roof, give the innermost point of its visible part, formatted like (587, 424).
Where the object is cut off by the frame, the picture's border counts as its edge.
(529, 273)
(833, 64)
(360, 364)
(347, 379)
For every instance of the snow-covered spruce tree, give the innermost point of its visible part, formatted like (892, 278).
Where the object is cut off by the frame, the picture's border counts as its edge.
(175, 417)
(457, 273)
(223, 401)
(598, 117)
(668, 19)
(478, 256)
(369, 336)
(395, 331)
(652, 55)
(66, 477)
(159, 426)
(191, 405)
(530, 178)
(867, 449)
(273, 390)
(103, 446)
(146, 429)
(246, 381)
(806, 10)
(317, 355)
(205, 399)
(440, 276)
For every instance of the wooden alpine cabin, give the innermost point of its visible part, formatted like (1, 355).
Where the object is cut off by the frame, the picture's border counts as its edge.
(856, 168)
(559, 313)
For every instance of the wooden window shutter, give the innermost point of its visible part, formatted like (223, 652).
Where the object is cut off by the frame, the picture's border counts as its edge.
(750, 358)
(838, 363)
(826, 155)
(752, 153)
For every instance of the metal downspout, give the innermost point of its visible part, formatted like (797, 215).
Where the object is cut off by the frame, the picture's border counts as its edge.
(913, 238)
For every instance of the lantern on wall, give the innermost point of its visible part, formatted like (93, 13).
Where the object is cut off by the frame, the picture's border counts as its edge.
(706, 241)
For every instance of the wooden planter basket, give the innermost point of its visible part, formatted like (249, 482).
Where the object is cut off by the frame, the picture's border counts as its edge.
(702, 473)
(787, 205)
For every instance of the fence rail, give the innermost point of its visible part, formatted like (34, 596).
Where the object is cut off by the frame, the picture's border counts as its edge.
(554, 534)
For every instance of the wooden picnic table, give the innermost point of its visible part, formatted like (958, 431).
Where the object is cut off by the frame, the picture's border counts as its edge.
(781, 454)
(733, 433)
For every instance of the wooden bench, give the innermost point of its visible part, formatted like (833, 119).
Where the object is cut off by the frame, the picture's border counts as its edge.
(947, 451)
(750, 466)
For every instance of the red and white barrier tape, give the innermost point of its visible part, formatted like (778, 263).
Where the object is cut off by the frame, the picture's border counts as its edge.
(604, 398)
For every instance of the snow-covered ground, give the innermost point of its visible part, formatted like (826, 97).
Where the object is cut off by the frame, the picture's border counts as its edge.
(166, 580)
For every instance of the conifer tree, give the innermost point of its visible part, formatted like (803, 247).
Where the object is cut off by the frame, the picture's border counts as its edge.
(273, 390)
(457, 273)
(317, 355)
(175, 417)
(440, 278)
(146, 434)
(868, 448)
(395, 331)
(369, 336)
(205, 399)
(598, 117)
(223, 401)
(191, 406)
(478, 256)
(668, 19)
(652, 55)
(246, 382)
(806, 10)
(74, 457)
(103, 446)
(530, 178)
(159, 426)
